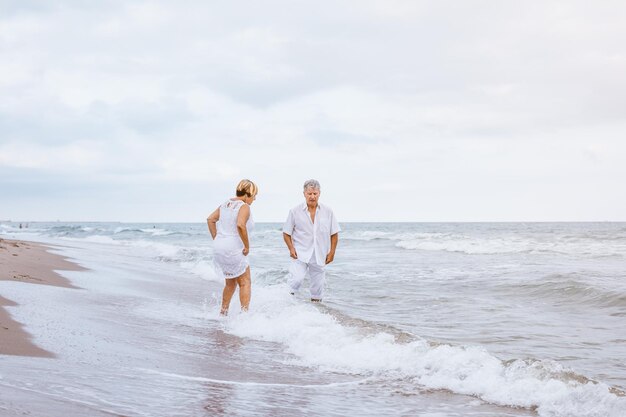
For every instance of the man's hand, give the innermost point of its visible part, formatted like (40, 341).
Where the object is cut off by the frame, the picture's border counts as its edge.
(330, 257)
(289, 243)
(245, 251)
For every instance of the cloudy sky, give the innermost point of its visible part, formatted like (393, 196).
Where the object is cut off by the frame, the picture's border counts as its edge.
(404, 110)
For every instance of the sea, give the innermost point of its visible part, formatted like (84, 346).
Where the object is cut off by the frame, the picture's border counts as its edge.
(418, 319)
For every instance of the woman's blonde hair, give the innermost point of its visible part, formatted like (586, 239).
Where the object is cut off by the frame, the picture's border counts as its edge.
(247, 188)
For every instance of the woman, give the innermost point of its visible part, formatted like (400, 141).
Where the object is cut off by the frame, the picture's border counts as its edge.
(229, 226)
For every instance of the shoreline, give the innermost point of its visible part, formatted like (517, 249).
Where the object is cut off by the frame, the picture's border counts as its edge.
(32, 263)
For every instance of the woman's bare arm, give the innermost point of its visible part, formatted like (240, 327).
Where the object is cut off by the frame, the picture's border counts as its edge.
(212, 220)
(242, 219)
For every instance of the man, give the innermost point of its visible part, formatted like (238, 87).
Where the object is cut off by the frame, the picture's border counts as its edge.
(311, 233)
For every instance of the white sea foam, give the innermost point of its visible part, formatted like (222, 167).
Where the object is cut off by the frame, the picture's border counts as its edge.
(158, 249)
(203, 269)
(165, 250)
(580, 244)
(96, 239)
(507, 244)
(466, 245)
(195, 260)
(317, 339)
(157, 232)
(367, 235)
(250, 383)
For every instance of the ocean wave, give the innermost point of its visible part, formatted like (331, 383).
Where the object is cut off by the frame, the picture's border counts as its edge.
(108, 240)
(569, 289)
(466, 245)
(317, 339)
(195, 259)
(367, 235)
(8, 228)
(202, 268)
(69, 230)
(166, 252)
(157, 232)
(586, 243)
(122, 229)
(511, 244)
(269, 232)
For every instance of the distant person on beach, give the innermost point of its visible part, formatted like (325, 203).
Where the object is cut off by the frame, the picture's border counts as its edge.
(311, 233)
(229, 226)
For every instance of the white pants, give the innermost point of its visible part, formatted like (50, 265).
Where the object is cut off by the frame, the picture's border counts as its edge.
(317, 276)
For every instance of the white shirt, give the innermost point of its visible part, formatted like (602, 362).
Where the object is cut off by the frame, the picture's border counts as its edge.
(309, 236)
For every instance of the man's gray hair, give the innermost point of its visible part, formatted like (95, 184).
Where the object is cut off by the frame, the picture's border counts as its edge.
(312, 184)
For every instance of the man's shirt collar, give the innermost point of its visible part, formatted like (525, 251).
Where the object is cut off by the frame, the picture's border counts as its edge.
(305, 206)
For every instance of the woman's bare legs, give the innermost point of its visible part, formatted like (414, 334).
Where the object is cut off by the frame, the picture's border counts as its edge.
(229, 289)
(230, 286)
(245, 289)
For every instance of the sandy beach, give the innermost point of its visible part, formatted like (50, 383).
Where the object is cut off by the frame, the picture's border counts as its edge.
(30, 263)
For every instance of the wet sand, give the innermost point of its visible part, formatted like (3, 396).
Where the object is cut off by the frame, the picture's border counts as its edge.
(30, 263)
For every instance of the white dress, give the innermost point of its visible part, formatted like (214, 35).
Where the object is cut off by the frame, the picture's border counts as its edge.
(229, 260)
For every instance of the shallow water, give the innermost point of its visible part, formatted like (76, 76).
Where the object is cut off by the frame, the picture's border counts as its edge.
(418, 319)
